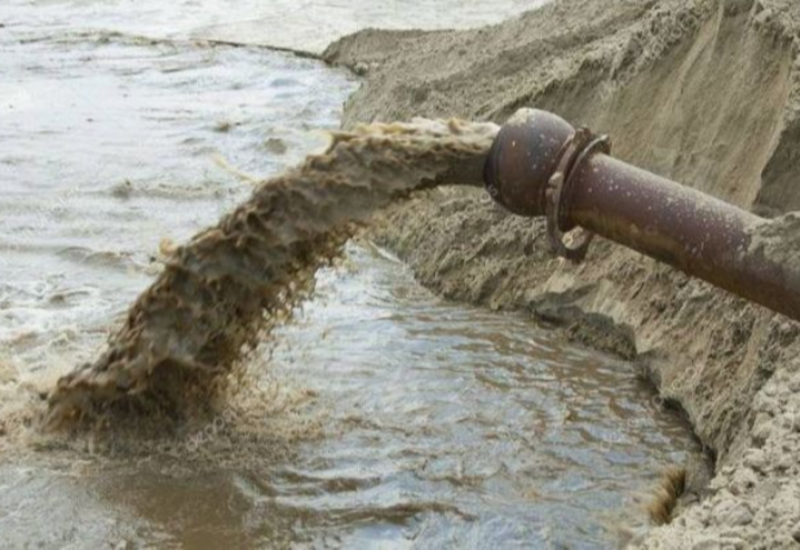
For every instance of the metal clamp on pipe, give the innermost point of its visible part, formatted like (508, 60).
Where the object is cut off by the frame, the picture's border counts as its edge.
(539, 165)
(573, 153)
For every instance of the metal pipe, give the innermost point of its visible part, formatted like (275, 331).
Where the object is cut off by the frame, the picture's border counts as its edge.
(539, 165)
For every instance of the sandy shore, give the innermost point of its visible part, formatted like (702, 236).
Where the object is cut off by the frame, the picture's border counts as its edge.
(702, 91)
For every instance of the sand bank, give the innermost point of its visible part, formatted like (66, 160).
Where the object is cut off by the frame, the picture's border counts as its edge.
(705, 92)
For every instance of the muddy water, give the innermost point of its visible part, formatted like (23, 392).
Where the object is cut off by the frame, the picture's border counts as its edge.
(389, 417)
(381, 415)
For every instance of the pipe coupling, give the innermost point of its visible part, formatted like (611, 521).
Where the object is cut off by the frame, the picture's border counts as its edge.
(530, 169)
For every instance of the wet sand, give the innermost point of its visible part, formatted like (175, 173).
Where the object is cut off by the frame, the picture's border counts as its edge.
(704, 93)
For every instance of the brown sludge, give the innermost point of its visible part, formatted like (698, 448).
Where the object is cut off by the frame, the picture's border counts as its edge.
(219, 293)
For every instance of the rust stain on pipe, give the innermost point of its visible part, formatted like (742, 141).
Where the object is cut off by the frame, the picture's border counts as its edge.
(534, 169)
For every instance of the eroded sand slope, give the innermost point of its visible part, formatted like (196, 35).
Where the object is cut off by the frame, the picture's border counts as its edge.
(703, 91)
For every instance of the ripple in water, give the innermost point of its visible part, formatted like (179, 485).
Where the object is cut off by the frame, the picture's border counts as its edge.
(385, 416)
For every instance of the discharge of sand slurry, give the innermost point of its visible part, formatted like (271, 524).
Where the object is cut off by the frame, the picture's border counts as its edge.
(219, 293)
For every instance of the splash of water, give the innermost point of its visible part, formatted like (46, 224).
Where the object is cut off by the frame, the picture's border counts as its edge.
(219, 294)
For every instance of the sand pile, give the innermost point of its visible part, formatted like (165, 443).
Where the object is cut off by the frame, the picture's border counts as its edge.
(222, 291)
(705, 92)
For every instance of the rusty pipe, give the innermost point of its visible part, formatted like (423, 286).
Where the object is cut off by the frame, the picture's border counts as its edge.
(539, 165)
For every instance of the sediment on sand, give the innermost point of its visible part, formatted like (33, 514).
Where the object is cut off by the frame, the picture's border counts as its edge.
(705, 92)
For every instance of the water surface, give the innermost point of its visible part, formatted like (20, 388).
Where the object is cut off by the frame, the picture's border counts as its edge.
(387, 418)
